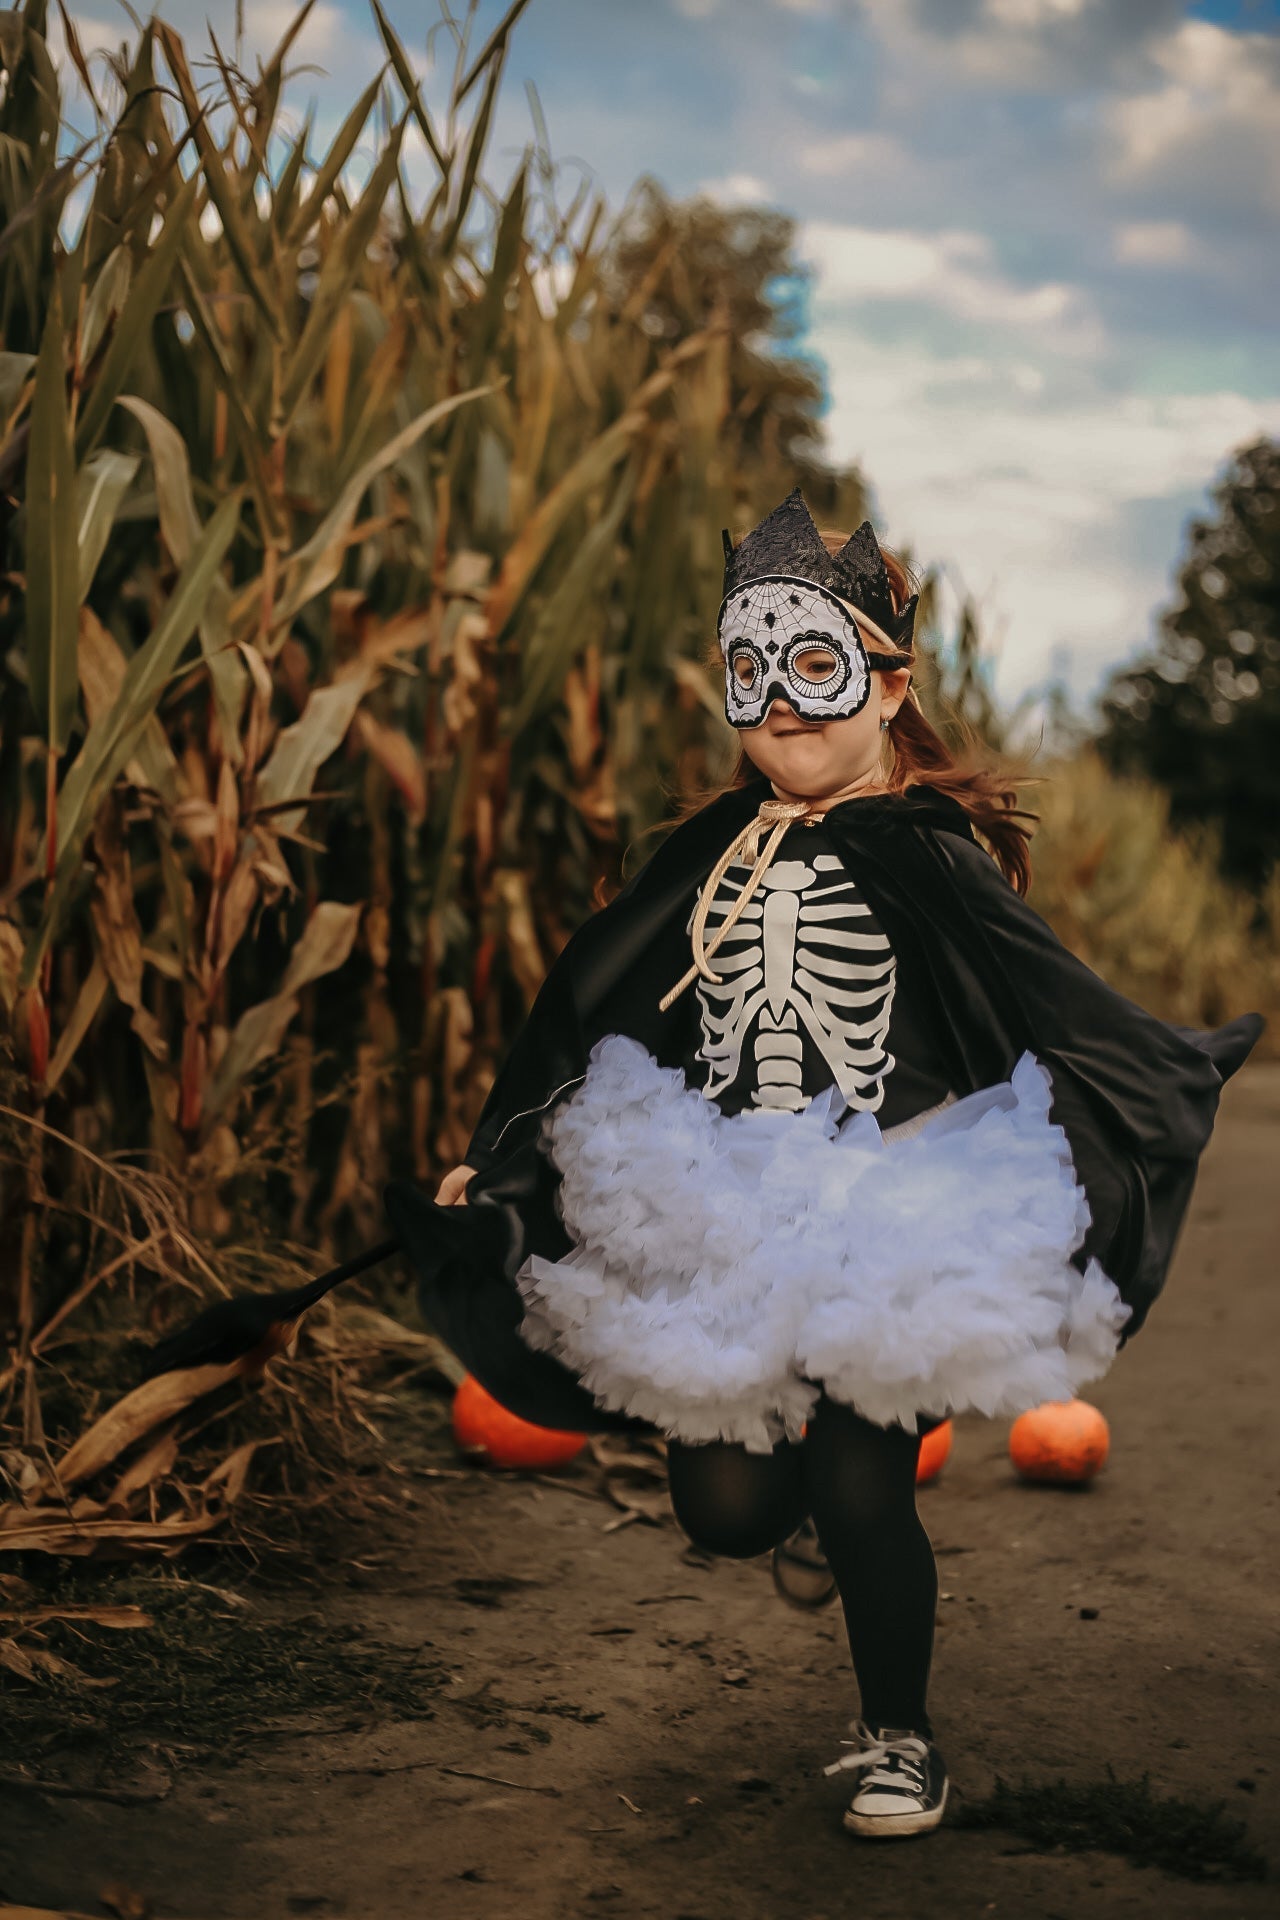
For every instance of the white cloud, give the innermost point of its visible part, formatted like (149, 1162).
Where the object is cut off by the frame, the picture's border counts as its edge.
(1211, 122)
(858, 154)
(954, 271)
(1018, 486)
(737, 189)
(1154, 243)
(267, 21)
(1032, 13)
(1041, 46)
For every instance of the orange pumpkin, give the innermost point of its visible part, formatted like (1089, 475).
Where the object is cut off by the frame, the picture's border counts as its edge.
(483, 1425)
(1065, 1441)
(934, 1449)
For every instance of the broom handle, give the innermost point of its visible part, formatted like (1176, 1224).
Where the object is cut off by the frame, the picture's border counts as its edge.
(349, 1268)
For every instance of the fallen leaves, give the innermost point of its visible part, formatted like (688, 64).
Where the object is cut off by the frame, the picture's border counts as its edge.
(46, 1518)
(634, 1478)
(37, 1662)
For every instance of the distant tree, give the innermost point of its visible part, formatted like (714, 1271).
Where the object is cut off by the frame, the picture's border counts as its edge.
(1201, 713)
(683, 265)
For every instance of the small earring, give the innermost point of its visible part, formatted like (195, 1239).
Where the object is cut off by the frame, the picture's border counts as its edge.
(884, 726)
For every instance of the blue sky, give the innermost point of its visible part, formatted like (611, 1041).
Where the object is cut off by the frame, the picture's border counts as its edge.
(1042, 235)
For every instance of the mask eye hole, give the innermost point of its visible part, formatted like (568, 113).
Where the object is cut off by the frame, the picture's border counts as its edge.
(816, 668)
(745, 670)
(814, 663)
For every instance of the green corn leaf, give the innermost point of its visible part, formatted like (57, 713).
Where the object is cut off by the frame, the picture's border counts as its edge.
(586, 274)
(247, 440)
(528, 550)
(475, 153)
(180, 529)
(563, 623)
(101, 485)
(273, 72)
(412, 91)
(221, 192)
(106, 297)
(508, 250)
(15, 371)
(112, 739)
(285, 190)
(52, 556)
(316, 565)
(341, 269)
(55, 186)
(133, 328)
(494, 45)
(334, 161)
(179, 521)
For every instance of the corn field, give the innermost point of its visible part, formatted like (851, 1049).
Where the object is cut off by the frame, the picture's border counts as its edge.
(363, 552)
(363, 545)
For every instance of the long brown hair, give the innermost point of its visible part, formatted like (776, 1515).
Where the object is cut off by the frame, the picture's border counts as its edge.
(986, 789)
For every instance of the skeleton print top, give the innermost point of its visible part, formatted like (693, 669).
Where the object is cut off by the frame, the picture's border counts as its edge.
(813, 994)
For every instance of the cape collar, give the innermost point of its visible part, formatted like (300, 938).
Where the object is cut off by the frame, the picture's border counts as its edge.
(919, 804)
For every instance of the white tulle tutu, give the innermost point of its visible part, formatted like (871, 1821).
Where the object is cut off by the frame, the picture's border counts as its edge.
(726, 1267)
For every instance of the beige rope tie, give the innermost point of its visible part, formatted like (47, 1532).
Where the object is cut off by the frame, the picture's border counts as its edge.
(777, 815)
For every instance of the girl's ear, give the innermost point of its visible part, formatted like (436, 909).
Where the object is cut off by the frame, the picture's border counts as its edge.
(893, 690)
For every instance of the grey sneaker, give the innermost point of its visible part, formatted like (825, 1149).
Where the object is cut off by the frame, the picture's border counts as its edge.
(903, 1789)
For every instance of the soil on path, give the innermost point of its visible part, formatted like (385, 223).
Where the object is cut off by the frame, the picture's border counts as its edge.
(621, 1730)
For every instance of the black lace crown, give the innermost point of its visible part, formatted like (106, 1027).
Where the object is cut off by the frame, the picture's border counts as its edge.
(787, 545)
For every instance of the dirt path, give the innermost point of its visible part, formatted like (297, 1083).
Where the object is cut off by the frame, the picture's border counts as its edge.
(626, 1667)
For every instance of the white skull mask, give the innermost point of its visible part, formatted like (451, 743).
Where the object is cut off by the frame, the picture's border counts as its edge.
(788, 639)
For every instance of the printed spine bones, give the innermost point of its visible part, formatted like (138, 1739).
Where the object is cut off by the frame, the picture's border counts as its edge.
(804, 957)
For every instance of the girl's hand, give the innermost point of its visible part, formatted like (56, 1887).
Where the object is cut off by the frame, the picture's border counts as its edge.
(451, 1190)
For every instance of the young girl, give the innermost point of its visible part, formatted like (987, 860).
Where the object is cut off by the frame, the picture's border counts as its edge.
(897, 1155)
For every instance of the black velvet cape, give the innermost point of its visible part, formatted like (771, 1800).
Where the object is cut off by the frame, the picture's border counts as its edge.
(1135, 1096)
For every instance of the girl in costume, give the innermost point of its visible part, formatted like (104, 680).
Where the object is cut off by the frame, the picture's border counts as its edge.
(816, 1135)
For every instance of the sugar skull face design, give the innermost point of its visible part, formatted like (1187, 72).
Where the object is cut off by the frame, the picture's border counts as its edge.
(785, 638)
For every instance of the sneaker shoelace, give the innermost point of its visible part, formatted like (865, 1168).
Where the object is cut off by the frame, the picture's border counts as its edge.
(870, 1754)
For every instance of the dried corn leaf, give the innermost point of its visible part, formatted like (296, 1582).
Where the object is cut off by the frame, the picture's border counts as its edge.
(511, 890)
(87, 1002)
(10, 964)
(327, 940)
(101, 666)
(124, 1902)
(118, 934)
(153, 1465)
(49, 1530)
(137, 1414)
(400, 760)
(18, 1660)
(23, 1472)
(46, 1913)
(238, 903)
(302, 749)
(46, 1662)
(124, 1619)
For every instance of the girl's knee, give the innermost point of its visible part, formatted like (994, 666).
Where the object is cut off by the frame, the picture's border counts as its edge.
(729, 1535)
(731, 1503)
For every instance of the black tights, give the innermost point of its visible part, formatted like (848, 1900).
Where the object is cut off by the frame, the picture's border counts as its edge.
(858, 1481)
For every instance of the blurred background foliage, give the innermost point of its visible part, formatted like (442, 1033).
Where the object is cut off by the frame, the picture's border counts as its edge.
(363, 544)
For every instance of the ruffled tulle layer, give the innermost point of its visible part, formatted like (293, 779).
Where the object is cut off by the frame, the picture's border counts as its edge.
(726, 1267)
